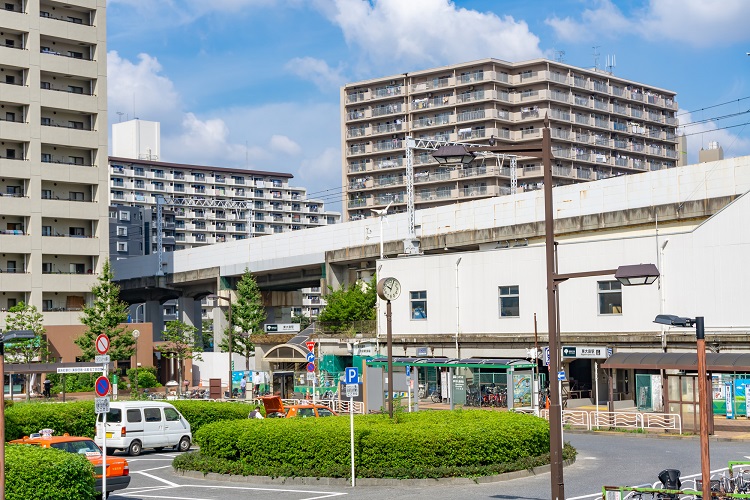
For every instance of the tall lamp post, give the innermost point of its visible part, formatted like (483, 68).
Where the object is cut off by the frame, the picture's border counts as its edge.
(136, 334)
(704, 407)
(643, 274)
(229, 335)
(8, 336)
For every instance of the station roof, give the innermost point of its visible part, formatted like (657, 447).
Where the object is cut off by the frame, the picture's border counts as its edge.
(439, 362)
(687, 361)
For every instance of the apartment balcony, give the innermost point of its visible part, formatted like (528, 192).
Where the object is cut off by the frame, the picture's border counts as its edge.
(14, 56)
(15, 129)
(15, 93)
(354, 97)
(11, 205)
(15, 281)
(477, 191)
(387, 109)
(53, 133)
(70, 245)
(64, 99)
(386, 92)
(60, 26)
(70, 209)
(560, 96)
(388, 163)
(466, 134)
(432, 121)
(386, 128)
(359, 203)
(57, 62)
(14, 241)
(387, 145)
(433, 84)
(355, 132)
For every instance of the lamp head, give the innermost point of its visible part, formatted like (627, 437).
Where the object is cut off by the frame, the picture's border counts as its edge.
(11, 335)
(672, 320)
(639, 274)
(453, 154)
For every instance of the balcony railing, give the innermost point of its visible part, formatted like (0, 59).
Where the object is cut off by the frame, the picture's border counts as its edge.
(70, 54)
(67, 19)
(52, 159)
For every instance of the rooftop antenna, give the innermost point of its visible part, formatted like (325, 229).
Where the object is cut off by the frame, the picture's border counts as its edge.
(560, 56)
(611, 63)
(247, 159)
(119, 116)
(596, 56)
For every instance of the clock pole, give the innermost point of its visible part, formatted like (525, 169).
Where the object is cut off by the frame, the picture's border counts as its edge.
(389, 340)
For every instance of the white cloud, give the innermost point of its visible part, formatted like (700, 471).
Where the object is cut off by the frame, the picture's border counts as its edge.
(283, 144)
(426, 33)
(700, 134)
(695, 22)
(317, 71)
(139, 89)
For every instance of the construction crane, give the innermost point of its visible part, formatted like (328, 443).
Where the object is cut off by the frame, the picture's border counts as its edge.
(161, 201)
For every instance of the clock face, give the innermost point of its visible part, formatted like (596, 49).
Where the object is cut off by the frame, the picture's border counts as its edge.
(389, 289)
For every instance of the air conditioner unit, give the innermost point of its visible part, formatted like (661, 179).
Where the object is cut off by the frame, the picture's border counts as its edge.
(471, 87)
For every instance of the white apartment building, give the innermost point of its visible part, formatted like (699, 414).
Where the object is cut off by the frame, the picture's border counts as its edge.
(601, 126)
(53, 155)
(205, 204)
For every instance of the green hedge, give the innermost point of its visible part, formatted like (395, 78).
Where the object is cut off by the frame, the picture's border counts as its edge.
(421, 444)
(77, 418)
(33, 472)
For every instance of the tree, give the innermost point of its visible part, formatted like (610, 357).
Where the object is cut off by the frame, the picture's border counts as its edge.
(26, 317)
(105, 317)
(180, 344)
(348, 304)
(248, 314)
(207, 334)
(304, 321)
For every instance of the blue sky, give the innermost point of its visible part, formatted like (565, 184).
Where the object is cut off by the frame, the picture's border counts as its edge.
(255, 83)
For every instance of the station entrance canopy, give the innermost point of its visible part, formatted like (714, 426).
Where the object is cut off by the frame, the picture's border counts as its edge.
(441, 362)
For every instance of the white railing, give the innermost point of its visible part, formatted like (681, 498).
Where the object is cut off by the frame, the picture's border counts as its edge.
(624, 419)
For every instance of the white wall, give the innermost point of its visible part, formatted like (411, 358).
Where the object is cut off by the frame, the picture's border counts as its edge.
(216, 365)
(136, 139)
(704, 273)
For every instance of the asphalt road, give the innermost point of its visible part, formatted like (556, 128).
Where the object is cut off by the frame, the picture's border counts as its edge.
(609, 459)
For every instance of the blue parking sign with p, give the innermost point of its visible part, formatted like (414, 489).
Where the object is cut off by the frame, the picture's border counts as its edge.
(351, 375)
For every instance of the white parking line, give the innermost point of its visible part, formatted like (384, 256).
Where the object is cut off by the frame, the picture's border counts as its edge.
(168, 483)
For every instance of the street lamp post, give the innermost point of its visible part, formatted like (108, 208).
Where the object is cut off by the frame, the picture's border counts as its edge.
(628, 275)
(8, 336)
(136, 334)
(229, 336)
(704, 407)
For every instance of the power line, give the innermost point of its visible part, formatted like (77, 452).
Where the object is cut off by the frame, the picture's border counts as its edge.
(716, 129)
(707, 120)
(714, 106)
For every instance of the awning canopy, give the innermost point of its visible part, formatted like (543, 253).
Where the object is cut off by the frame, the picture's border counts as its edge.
(687, 361)
(441, 362)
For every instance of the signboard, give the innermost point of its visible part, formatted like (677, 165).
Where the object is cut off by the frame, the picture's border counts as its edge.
(283, 328)
(408, 371)
(102, 358)
(422, 351)
(310, 357)
(459, 389)
(584, 352)
(102, 386)
(311, 376)
(561, 375)
(101, 405)
(747, 398)
(546, 356)
(729, 401)
(310, 367)
(102, 344)
(522, 389)
(351, 375)
(310, 345)
(80, 369)
(352, 390)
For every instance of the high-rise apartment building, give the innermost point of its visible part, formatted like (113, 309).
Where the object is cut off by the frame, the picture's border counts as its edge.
(53, 154)
(205, 204)
(601, 126)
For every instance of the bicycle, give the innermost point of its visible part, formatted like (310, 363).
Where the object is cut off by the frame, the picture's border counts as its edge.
(436, 397)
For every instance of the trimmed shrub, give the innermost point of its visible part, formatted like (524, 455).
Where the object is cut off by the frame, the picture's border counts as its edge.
(33, 472)
(77, 418)
(421, 444)
(146, 377)
(199, 413)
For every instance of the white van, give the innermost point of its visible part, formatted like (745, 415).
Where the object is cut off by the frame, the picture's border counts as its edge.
(134, 425)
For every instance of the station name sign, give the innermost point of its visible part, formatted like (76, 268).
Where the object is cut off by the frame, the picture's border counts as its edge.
(584, 352)
(283, 328)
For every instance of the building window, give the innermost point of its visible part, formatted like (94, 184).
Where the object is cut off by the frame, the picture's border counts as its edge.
(610, 297)
(122, 231)
(418, 305)
(508, 301)
(124, 215)
(122, 246)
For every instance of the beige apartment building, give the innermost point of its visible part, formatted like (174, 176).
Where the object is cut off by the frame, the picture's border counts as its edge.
(53, 155)
(601, 126)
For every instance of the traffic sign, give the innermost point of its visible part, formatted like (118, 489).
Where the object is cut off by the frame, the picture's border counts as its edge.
(311, 367)
(352, 390)
(310, 357)
(310, 345)
(102, 344)
(311, 376)
(561, 375)
(101, 405)
(102, 386)
(102, 358)
(408, 371)
(546, 356)
(351, 375)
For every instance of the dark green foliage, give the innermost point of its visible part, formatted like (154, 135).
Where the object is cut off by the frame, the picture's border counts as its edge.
(422, 444)
(345, 305)
(146, 377)
(33, 472)
(77, 418)
(199, 413)
(74, 382)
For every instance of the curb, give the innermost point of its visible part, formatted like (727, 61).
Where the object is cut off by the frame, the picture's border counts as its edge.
(366, 481)
(664, 435)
